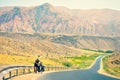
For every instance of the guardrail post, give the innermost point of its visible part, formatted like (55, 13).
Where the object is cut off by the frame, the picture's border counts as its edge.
(55, 68)
(28, 70)
(58, 68)
(23, 71)
(10, 74)
(16, 72)
(48, 69)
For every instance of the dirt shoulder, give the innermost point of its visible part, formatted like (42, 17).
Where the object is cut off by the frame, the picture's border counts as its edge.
(32, 76)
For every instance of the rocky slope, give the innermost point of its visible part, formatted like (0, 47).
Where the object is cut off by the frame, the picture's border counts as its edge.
(112, 64)
(53, 19)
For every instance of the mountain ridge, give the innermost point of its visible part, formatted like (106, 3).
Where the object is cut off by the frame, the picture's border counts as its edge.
(51, 19)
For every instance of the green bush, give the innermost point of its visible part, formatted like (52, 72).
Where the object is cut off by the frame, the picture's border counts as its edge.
(67, 64)
(109, 51)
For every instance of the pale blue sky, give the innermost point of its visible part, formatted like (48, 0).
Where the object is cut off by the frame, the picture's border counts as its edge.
(72, 4)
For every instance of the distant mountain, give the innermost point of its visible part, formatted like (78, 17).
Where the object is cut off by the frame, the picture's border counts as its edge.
(51, 19)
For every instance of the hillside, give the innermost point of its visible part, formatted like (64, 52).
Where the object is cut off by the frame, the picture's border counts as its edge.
(23, 49)
(75, 41)
(54, 19)
(35, 47)
(112, 64)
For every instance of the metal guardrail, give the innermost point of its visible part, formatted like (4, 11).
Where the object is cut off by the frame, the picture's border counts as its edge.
(12, 71)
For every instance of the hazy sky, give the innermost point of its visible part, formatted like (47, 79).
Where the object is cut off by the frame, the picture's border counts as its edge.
(73, 4)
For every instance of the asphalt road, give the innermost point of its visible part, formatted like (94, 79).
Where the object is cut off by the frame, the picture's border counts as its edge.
(88, 74)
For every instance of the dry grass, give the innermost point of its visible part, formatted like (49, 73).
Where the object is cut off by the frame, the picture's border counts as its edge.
(6, 59)
(34, 47)
(23, 50)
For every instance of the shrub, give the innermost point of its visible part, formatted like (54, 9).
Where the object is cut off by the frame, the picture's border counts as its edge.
(67, 64)
(109, 51)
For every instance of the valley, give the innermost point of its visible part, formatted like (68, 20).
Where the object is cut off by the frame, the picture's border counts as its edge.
(60, 36)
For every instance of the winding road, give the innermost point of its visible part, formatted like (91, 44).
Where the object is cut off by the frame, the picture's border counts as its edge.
(88, 74)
